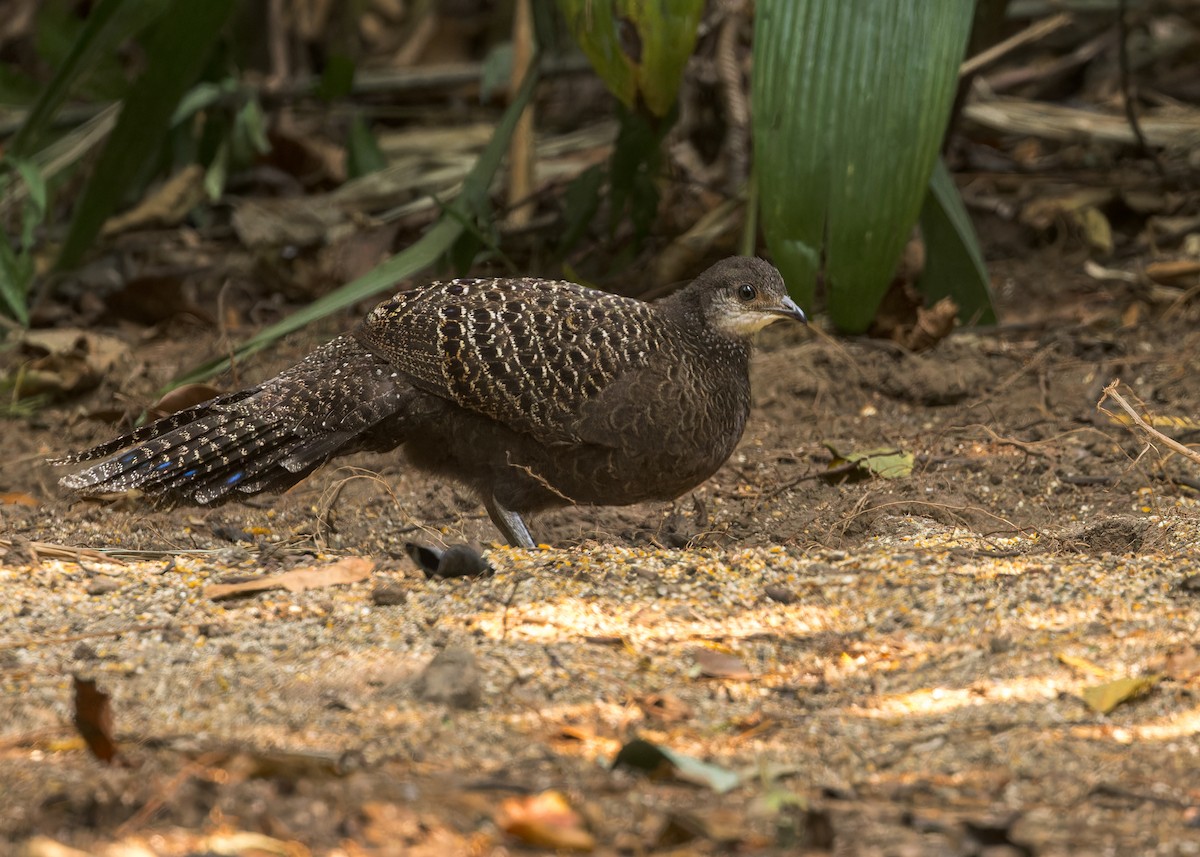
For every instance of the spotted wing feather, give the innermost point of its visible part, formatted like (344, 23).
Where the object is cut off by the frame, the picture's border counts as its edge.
(527, 353)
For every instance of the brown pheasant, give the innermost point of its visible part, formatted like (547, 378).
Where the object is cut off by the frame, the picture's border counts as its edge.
(533, 393)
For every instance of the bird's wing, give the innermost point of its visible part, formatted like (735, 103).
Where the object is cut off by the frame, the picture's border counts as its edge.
(528, 353)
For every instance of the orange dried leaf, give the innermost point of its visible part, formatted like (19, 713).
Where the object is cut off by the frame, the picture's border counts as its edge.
(94, 719)
(544, 821)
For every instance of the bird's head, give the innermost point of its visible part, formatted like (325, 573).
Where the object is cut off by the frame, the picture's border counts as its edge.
(741, 295)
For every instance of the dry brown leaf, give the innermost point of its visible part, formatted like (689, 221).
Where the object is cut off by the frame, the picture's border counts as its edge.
(94, 719)
(65, 362)
(544, 821)
(168, 205)
(664, 707)
(1083, 665)
(182, 398)
(714, 664)
(352, 569)
(18, 498)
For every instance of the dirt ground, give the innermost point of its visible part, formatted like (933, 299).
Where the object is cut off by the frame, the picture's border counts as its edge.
(883, 666)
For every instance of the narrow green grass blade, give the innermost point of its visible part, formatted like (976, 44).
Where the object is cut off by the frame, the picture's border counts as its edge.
(175, 55)
(406, 263)
(851, 100)
(954, 264)
(110, 23)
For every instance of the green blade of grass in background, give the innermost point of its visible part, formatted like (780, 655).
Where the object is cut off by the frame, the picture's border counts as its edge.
(850, 103)
(412, 260)
(954, 266)
(176, 51)
(111, 23)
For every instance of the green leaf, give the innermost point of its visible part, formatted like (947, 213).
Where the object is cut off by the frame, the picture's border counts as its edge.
(110, 23)
(639, 49)
(954, 264)
(175, 54)
(414, 259)
(363, 154)
(249, 134)
(885, 462)
(851, 100)
(16, 272)
(34, 182)
(202, 95)
(217, 172)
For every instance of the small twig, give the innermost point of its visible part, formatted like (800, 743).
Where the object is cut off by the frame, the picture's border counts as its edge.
(74, 638)
(848, 467)
(1110, 392)
(1127, 88)
(508, 603)
(733, 98)
(521, 161)
(1030, 34)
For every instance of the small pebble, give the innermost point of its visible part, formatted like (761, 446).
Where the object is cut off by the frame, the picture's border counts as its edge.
(780, 594)
(388, 595)
(1190, 585)
(84, 652)
(452, 678)
(102, 586)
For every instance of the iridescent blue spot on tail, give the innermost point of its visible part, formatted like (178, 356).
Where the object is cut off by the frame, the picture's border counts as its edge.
(189, 474)
(235, 477)
(129, 457)
(163, 466)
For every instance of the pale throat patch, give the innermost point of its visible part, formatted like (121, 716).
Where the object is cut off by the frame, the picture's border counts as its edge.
(743, 322)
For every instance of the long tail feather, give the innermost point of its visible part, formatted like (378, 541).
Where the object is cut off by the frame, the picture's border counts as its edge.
(264, 438)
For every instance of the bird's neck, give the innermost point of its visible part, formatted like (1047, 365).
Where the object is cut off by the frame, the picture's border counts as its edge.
(685, 310)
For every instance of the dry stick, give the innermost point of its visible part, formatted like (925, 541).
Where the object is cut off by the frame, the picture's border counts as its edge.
(521, 149)
(1110, 392)
(1030, 34)
(74, 638)
(1127, 88)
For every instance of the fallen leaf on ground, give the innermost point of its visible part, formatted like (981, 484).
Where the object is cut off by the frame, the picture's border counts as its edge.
(664, 707)
(660, 763)
(166, 205)
(94, 719)
(1103, 698)
(884, 462)
(44, 846)
(544, 821)
(1083, 665)
(64, 362)
(182, 398)
(714, 664)
(352, 569)
(242, 841)
(18, 498)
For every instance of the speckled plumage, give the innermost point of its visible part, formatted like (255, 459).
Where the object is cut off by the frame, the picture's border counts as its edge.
(533, 393)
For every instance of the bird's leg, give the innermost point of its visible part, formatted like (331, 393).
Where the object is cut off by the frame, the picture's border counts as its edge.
(509, 524)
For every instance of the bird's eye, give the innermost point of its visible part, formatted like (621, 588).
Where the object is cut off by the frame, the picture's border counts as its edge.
(747, 292)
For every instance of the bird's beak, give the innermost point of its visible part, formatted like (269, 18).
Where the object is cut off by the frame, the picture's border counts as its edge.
(788, 308)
